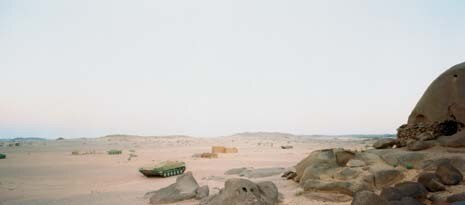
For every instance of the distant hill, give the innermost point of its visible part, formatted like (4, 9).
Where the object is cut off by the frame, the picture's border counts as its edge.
(263, 134)
(288, 135)
(24, 139)
(125, 136)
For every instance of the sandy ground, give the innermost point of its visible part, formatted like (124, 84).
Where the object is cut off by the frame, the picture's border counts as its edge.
(45, 172)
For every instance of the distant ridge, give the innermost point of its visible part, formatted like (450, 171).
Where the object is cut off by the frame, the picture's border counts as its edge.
(263, 134)
(24, 139)
(287, 135)
(125, 136)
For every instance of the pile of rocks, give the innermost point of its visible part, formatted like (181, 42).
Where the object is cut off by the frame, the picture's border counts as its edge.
(347, 172)
(408, 133)
(236, 191)
(410, 192)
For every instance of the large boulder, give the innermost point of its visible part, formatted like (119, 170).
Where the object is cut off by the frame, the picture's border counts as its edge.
(432, 164)
(456, 140)
(406, 201)
(443, 100)
(202, 192)
(397, 157)
(343, 156)
(316, 164)
(244, 192)
(448, 174)
(412, 189)
(431, 182)
(441, 109)
(419, 145)
(391, 194)
(185, 188)
(384, 143)
(368, 198)
(383, 177)
(348, 187)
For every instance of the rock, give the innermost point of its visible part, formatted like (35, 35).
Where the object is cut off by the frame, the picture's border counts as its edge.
(236, 171)
(264, 172)
(431, 182)
(456, 140)
(433, 164)
(347, 173)
(202, 192)
(289, 174)
(327, 197)
(184, 188)
(341, 187)
(419, 145)
(287, 147)
(384, 143)
(255, 173)
(343, 156)
(444, 99)
(385, 177)
(315, 165)
(398, 157)
(425, 136)
(215, 178)
(355, 163)
(456, 197)
(441, 109)
(439, 202)
(391, 194)
(410, 201)
(368, 198)
(244, 192)
(412, 189)
(448, 174)
(269, 192)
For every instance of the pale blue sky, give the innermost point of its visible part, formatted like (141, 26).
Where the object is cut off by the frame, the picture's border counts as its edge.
(208, 68)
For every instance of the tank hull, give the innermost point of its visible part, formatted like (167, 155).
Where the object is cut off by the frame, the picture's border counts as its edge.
(162, 173)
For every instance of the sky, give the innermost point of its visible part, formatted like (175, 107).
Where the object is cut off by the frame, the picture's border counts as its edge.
(213, 68)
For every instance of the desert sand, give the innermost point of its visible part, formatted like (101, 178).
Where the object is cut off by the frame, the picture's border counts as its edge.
(46, 172)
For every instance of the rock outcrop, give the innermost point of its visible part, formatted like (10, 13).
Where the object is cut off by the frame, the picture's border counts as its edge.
(430, 146)
(441, 109)
(346, 172)
(443, 100)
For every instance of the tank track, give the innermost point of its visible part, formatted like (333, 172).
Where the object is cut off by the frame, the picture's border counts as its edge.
(173, 172)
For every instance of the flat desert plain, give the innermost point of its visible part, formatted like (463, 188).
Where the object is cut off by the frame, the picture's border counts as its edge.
(47, 173)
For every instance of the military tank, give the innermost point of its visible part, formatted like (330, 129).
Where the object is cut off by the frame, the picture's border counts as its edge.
(164, 169)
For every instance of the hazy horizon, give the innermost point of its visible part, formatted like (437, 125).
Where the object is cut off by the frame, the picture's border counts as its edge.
(270, 133)
(214, 68)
